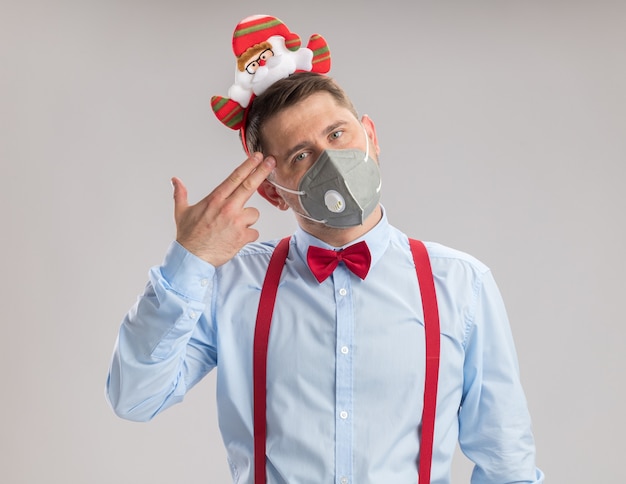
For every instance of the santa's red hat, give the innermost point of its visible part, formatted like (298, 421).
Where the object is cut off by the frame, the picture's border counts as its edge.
(250, 32)
(258, 28)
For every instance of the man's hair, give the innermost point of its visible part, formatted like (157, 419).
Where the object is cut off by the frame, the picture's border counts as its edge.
(285, 93)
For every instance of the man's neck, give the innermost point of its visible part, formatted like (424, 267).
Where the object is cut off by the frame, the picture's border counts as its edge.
(337, 237)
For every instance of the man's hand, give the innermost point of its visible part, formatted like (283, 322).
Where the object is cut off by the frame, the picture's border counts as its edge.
(218, 226)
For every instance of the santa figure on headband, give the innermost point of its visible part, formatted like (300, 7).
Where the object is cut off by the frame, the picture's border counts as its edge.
(266, 51)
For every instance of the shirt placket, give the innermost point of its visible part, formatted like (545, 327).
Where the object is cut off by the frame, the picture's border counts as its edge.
(343, 375)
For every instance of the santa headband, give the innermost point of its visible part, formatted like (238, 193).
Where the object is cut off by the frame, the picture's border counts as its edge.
(266, 51)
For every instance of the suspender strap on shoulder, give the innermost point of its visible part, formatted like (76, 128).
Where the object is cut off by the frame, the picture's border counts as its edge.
(432, 334)
(259, 361)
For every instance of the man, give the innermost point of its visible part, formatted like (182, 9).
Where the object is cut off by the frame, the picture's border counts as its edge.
(345, 379)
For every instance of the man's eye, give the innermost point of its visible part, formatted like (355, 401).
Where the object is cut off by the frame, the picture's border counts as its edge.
(336, 134)
(301, 156)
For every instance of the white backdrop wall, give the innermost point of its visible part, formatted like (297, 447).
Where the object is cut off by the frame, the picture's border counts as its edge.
(502, 130)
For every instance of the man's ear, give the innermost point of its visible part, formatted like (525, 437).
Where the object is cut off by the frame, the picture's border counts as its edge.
(370, 129)
(270, 193)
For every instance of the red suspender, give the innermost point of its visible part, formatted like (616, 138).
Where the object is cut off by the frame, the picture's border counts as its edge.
(431, 328)
(261, 339)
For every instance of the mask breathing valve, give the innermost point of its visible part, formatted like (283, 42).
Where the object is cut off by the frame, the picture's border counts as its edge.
(334, 201)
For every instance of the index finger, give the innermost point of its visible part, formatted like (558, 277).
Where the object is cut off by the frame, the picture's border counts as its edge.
(239, 174)
(254, 179)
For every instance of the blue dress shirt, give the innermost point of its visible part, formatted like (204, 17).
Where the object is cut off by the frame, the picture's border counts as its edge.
(345, 363)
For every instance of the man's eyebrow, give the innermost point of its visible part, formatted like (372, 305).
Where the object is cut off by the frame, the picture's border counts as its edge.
(332, 127)
(329, 129)
(295, 149)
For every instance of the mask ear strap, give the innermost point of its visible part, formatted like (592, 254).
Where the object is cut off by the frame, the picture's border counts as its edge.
(367, 144)
(288, 190)
(296, 192)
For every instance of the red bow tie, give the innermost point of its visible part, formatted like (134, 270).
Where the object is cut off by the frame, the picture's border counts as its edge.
(323, 262)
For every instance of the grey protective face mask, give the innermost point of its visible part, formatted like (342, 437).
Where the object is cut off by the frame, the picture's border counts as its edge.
(341, 189)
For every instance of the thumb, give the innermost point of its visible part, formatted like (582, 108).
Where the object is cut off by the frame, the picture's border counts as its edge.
(180, 197)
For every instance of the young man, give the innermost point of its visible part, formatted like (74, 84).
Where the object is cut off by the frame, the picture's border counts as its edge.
(348, 353)
(345, 374)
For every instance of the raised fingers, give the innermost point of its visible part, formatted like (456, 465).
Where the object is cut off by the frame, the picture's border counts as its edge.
(250, 184)
(239, 174)
(246, 178)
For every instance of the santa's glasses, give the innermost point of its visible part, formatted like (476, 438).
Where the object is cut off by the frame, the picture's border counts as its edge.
(252, 66)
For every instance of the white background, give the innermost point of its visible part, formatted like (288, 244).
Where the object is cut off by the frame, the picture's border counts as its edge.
(502, 130)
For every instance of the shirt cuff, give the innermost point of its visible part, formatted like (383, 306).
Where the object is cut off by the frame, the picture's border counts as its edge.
(186, 273)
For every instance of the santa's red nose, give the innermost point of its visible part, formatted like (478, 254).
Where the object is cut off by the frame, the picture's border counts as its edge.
(262, 62)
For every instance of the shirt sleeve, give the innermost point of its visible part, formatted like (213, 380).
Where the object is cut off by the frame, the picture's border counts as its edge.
(165, 344)
(495, 427)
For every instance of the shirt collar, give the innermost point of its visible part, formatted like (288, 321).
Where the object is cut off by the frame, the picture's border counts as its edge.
(377, 240)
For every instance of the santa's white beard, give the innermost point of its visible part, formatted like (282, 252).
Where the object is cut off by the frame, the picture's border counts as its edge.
(278, 67)
(281, 65)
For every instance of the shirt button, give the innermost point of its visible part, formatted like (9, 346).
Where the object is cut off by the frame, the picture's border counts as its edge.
(345, 350)
(344, 480)
(204, 282)
(192, 314)
(343, 292)
(344, 415)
